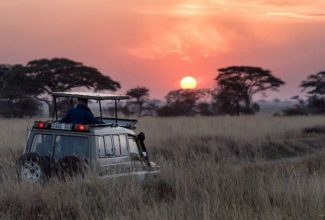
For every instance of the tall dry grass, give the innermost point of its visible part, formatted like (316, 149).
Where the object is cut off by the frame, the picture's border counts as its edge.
(250, 167)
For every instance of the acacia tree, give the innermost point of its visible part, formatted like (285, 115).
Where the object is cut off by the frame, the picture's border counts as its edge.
(181, 102)
(227, 100)
(140, 95)
(16, 90)
(238, 84)
(315, 84)
(61, 74)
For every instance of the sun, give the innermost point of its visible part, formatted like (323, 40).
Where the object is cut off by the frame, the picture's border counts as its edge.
(188, 82)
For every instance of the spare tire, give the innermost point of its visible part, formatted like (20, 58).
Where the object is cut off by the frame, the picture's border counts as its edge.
(33, 168)
(71, 166)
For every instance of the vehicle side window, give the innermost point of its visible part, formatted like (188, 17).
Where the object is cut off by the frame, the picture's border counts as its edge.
(124, 145)
(101, 147)
(133, 145)
(108, 146)
(42, 144)
(117, 149)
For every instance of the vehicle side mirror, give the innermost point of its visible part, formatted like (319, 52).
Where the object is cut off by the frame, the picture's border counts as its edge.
(134, 157)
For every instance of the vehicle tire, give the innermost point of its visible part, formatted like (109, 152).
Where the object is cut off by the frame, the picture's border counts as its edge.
(71, 166)
(33, 168)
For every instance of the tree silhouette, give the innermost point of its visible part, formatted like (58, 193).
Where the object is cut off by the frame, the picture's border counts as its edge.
(16, 90)
(61, 74)
(140, 94)
(315, 84)
(228, 100)
(238, 84)
(181, 102)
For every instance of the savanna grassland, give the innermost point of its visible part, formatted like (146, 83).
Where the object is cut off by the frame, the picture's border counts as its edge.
(247, 167)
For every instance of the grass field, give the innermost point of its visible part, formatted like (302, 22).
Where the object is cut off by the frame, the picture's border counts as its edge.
(248, 167)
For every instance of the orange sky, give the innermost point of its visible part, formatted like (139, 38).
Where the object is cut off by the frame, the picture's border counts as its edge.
(154, 43)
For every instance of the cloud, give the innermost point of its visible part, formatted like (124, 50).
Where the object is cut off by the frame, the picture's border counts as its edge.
(281, 3)
(207, 28)
(157, 29)
(298, 15)
(187, 39)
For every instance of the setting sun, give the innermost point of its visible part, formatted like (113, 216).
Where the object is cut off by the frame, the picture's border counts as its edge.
(188, 82)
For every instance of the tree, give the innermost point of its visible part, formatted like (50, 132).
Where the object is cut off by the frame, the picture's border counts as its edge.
(4, 69)
(151, 107)
(140, 95)
(16, 90)
(20, 108)
(227, 100)
(238, 84)
(61, 74)
(181, 102)
(15, 83)
(315, 84)
(316, 104)
(205, 108)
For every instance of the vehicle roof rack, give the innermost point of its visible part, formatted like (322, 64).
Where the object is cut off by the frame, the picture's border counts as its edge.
(90, 95)
(120, 122)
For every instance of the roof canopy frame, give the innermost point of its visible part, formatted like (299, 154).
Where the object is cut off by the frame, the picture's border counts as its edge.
(87, 95)
(90, 95)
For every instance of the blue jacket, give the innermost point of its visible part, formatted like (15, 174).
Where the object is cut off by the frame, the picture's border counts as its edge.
(81, 114)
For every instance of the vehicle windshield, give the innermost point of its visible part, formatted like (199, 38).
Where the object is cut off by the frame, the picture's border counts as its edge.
(71, 146)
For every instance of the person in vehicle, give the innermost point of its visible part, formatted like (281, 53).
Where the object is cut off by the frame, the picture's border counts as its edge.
(80, 114)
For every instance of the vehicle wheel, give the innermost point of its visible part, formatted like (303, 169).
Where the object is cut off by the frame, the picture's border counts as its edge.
(71, 166)
(31, 168)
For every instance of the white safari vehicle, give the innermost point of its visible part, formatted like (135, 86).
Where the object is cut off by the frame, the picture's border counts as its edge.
(104, 150)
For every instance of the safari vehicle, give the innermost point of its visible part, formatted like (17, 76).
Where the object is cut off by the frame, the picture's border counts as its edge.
(104, 150)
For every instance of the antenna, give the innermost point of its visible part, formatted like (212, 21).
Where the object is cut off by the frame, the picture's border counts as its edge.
(116, 112)
(56, 110)
(100, 110)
